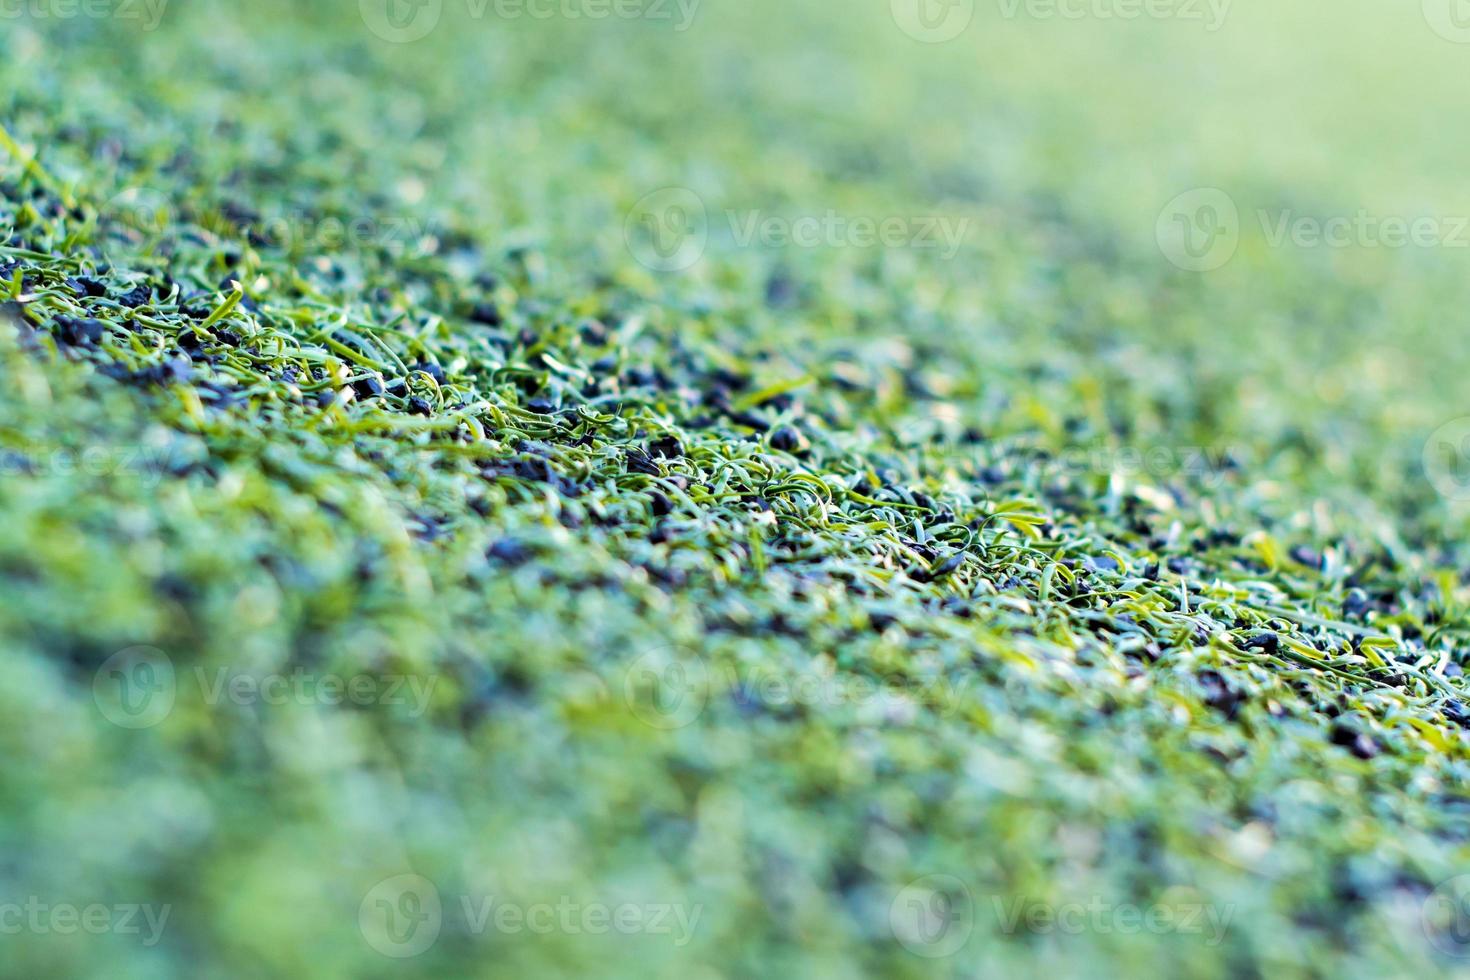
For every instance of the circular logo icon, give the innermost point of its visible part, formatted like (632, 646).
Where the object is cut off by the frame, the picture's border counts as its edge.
(137, 210)
(941, 435)
(933, 21)
(401, 21)
(1447, 459)
(401, 916)
(1446, 916)
(667, 688)
(1199, 230)
(1450, 19)
(135, 688)
(932, 916)
(667, 230)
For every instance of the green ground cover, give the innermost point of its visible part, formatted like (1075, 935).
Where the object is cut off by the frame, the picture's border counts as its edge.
(738, 490)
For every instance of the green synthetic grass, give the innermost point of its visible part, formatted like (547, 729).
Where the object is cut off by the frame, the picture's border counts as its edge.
(408, 570)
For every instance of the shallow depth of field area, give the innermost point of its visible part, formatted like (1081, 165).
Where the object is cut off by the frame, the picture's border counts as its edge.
(702, 489)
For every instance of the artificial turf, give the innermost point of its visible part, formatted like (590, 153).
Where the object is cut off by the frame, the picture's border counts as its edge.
(395, 527)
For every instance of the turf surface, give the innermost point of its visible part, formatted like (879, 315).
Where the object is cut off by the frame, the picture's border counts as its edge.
(739, 492)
